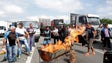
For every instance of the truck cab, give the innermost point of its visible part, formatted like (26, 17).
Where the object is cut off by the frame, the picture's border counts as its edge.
(2, 30)
(94, 20)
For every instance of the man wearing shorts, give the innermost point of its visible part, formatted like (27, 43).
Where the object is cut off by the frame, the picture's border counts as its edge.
(90, 33)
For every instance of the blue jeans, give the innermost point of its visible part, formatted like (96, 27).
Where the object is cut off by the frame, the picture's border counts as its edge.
(46, 42)
(11, 53)
(31, 42)
(26, 45)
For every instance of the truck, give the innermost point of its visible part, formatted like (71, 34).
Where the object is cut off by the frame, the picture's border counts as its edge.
(50, 23)
(57, 22)
(43, 23)
(3, 27)
(93, 19)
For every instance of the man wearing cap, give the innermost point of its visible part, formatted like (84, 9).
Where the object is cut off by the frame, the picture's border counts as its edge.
(11, 38)
(22, 33)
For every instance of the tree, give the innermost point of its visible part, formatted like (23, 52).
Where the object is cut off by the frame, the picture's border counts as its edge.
(106, 20)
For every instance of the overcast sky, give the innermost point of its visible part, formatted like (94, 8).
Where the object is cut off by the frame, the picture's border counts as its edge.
(33, 9)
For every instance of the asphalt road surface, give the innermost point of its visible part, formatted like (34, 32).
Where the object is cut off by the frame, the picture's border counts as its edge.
(80, 58)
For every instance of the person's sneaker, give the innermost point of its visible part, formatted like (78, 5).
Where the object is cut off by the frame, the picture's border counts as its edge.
(31, 52)
(4, 60)
(27, 53)
(18, 56)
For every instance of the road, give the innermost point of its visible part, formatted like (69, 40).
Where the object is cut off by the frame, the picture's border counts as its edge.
(80, 58)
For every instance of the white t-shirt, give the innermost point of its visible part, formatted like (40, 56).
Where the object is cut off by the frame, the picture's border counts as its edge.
(56, 32)
(21, 31)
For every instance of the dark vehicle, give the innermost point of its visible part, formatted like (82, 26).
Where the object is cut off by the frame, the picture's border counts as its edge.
(57, 22)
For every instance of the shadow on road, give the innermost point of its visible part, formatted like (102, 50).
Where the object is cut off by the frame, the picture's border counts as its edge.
(98, 45)
(79, 51)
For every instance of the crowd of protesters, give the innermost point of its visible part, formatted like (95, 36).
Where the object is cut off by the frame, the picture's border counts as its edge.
(57, 34)
(86, 38)
(13, 40)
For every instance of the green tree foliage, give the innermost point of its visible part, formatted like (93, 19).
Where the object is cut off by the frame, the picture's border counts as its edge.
(106, 20)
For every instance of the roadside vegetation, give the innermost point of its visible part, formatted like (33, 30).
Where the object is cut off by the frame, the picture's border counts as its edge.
(106, 20)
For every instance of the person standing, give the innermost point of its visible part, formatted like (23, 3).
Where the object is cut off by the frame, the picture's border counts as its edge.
(82, 36)
(31, 32)
(47, 36)
(105, 36)
(23, 35)
(90, 34)
(61, 33)
(10, 39)
(55, 34)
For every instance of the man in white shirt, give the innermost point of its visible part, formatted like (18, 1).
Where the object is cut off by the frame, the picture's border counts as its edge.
(55, 34)
(22, 34)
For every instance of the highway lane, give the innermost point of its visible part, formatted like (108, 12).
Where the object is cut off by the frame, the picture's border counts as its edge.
(80, 58)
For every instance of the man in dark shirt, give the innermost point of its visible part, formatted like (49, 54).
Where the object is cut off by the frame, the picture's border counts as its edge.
(105, 36)
(11, 37)
(90, 34)
(31, 32)
(63, 32)
(47, 36)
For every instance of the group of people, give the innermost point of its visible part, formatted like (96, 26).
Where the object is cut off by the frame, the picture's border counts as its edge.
(13, 40)
(86, 38)
(62, 32)
(56, 33)
(15, 37)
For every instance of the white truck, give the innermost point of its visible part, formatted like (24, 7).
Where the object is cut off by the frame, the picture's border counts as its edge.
(94, 20)
(3, 27)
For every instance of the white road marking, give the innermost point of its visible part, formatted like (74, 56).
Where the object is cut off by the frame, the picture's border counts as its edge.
(29, 58)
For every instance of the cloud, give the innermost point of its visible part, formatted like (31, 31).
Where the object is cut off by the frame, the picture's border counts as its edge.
(32, 18)
(109, 2)
(60, 5)
(10, 9)
(65, 17)
(47, 17)
(107, 10)
(13, 9)
(2, 12)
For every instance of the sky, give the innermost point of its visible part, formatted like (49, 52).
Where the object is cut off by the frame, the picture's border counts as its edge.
(34, 9)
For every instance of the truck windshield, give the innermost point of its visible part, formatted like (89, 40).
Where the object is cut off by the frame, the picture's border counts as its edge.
(94, 20)
(2, 27)
(26, 23)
